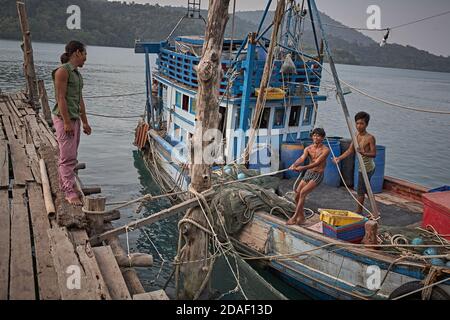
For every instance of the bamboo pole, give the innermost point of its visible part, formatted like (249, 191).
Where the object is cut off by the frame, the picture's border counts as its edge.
(279, 12)
(48, 199)
(346, 112)
(30, 73)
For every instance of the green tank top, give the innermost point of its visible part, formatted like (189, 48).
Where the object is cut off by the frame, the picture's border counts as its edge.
(73, 93)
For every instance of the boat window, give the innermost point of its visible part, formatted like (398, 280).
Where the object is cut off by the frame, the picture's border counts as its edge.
(264, 124)
(278, 118)
(294, 116)
(237, 116)
(307, 116)
(193, 105)
(178, 99)
(185, 102)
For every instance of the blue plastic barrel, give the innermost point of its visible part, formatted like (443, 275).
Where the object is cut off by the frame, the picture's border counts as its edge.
(376, 182)
(290, 152)
(331, 175)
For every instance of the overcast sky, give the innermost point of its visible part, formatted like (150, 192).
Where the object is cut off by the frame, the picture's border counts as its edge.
(431, 35)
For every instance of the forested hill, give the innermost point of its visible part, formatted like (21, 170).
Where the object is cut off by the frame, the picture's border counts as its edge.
(119, 24)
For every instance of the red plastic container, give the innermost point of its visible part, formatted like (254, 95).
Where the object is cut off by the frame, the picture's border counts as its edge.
(436, 212)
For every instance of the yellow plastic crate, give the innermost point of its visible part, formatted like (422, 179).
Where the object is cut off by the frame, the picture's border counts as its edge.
(339, 217)
(272, 93)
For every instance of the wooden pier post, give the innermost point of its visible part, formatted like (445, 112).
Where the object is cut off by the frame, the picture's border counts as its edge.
(95, 220)
(44, 102)
(209, 74)
(30, 73)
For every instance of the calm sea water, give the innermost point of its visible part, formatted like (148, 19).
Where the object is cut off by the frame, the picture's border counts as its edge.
(418, 144)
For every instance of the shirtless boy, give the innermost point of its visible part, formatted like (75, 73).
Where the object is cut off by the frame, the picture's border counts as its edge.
(317, 154)
(367, 149)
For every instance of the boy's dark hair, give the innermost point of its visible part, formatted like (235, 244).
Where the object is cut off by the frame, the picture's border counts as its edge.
(319, 131)
(362, 116)
(72, 47)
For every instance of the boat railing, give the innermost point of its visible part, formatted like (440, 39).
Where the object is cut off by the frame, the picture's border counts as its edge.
(181, 67)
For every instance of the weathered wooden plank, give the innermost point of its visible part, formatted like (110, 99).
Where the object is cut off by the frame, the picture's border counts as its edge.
(5, 235)
(2, 134)
(4, 164)
(111, 273)
(33, 162)
(21, 169)
(154, 295)
(8, 128)
(73, 282)
(45, 270)
(34, 129)
(51, 138)
(4, 110)
(90, 266)
(21, 282)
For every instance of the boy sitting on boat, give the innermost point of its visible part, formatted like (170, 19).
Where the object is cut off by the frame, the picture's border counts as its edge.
(317, 154)
(367, 149)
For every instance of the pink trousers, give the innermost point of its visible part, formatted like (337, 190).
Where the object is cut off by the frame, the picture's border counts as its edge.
(68, 151)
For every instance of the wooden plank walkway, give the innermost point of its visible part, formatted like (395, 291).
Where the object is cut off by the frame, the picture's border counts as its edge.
(42, 256)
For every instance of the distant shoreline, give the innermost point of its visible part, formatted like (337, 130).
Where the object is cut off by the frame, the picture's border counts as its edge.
(344, 64)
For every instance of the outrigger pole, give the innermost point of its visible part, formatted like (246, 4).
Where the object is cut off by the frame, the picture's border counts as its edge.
(341, 99)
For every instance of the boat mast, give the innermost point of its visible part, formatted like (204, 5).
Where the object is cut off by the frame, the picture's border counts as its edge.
(279, 12)
(341, 99)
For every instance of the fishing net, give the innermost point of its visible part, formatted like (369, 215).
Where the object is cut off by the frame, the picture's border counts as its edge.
(236, 203)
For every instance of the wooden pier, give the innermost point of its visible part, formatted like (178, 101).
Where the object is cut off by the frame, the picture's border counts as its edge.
(45, 253)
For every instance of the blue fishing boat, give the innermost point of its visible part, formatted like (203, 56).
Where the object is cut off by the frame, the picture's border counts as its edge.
(306, 256)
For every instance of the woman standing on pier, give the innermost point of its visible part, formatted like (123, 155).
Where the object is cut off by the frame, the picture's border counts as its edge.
(67, 113)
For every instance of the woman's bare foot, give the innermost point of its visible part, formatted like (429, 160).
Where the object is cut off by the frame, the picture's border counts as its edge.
(76, 201)
(300, 221)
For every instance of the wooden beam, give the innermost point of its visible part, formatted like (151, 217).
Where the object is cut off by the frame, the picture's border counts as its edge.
(260, 102)
(343, 103)
(69, 263)
(21, 282)
(135, 260)
(33, 162)
(111, 273)
(209, 73)
(45, 270)
(154, 295)
(47, 193)
(163, 214)
(30, 72)
(44, 102)
(134, 285)
(20, 164)
(5, 238)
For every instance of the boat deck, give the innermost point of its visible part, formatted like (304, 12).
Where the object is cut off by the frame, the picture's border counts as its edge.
(395, 211)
